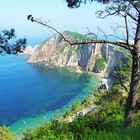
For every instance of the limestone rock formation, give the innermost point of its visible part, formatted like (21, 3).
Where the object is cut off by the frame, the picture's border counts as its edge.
(93, 57)
(29, 50)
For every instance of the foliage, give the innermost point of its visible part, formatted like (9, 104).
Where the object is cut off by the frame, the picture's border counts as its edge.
(76, 107)
(100, 64)
(130, 12)
(129, 134)
(8, 44)
(123, 73)
(87, 102)
(68, 113)
(5, 133)
(104, 123)
(77, 36)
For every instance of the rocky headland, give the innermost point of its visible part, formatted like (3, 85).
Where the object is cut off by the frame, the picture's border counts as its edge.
(98, 58)
(29, 50)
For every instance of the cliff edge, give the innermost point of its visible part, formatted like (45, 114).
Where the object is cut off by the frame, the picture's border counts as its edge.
(93, 58)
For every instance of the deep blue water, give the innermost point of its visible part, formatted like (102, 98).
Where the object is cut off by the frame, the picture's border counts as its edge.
(27, 90)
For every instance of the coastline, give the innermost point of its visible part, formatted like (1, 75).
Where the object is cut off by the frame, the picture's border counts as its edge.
(32, 122)
(20, 126)
(87, 109)
(104, 80)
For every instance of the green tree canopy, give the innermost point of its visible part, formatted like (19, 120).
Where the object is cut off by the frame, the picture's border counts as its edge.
(9, 44)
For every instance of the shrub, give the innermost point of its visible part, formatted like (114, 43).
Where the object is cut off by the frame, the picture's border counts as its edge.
(100, 64)
(76, 107)
(87, 102)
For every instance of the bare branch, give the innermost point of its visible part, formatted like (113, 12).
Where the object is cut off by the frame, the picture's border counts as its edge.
(115, 29)
(118, 43)
(134, 5)
(119, 9)
(127, 31)
(102, 13)
(31, 18)
(91, 34)
(104, 34)
(132, 17)
(120, 80)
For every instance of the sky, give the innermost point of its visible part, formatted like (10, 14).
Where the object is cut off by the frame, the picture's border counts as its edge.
(13, 14)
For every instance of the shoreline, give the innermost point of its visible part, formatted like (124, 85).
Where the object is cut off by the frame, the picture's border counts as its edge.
(107, 82)
(87, 109)
(24, 123)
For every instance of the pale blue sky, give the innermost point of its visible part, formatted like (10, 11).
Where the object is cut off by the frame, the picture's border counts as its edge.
(13, 15)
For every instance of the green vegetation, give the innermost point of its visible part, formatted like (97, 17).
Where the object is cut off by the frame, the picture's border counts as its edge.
(100, 64)
(9, 44)
(123, 73)
(76, 107)
(104, 123)
(5, 134)
(87, 102)
(77, 36)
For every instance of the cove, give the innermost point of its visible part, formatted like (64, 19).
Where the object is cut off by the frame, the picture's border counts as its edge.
(34, 94)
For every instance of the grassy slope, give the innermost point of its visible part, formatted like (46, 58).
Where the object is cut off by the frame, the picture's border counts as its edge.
(76, 35)
(105, 123)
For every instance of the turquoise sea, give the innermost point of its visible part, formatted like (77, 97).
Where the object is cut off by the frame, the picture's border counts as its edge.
(31, 94)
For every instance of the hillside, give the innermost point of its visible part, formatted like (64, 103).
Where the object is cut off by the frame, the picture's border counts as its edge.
(93, 58)
(105, 122)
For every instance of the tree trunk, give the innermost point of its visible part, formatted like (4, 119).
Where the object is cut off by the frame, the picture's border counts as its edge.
(135, 79)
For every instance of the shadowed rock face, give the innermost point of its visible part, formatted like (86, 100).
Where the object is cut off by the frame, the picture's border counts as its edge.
(57, 52)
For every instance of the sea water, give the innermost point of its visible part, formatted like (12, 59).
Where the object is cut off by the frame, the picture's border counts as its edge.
(31, 94)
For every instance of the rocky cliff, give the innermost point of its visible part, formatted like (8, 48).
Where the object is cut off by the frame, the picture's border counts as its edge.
(29, 50)
(93, 57)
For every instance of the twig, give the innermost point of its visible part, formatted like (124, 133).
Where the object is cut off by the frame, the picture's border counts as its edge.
(118, 43)
(120, 80)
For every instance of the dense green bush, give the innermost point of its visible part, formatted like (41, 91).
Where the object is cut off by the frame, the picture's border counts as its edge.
(100, 64)
(87, 102)
(76, 107)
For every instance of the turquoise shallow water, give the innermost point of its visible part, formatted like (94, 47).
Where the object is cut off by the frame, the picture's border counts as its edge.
(34, 94)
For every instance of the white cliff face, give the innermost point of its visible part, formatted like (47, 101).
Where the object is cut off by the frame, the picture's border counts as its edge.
(29, 50)
(93, 57)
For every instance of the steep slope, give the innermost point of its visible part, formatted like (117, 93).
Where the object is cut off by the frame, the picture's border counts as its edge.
(93, 57)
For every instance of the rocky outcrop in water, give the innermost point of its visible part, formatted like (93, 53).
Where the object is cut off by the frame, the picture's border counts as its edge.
(93, 57)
